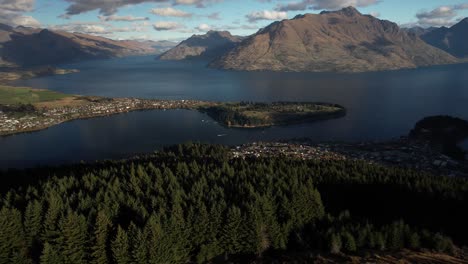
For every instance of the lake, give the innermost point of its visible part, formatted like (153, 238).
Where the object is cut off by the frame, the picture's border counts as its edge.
(380, 106)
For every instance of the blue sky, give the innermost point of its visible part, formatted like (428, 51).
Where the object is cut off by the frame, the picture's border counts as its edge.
(178, 19)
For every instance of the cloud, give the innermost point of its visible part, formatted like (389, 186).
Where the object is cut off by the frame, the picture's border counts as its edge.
(170, 12)
(11, 12)
(375, 14)
(266, 15)
(110, 7)
(197, 3)
(167, 25)
(203, 27)
(100, 28)
(440, 16)
(324, 4)
(214, 16)
(17, 5)
(26, 21)
(122, 18)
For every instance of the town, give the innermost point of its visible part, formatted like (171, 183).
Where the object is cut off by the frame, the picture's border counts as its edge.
(18, 122)
(402, 152)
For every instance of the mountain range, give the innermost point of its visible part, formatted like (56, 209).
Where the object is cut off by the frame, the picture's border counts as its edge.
(453, 40)
(344, 40)
(27, 47)
(208, 46)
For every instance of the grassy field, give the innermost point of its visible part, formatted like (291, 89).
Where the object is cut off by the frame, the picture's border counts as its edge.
(20, 95)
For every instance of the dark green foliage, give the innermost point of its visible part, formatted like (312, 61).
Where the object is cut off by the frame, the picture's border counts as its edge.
(193, 203)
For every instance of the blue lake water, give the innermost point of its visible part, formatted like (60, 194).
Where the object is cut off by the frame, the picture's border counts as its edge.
(380, 105)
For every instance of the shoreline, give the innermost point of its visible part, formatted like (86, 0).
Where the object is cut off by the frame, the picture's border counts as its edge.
(52, 113)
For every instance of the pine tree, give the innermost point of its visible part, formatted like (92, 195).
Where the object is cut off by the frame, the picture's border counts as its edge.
(33, 222)
(74, 238)
(120, 247)
(51, 255)
(414, 241)
(12, 239)
(138, 246)
(232, 237)
(335, 244)
(101, 235)
(349, 242)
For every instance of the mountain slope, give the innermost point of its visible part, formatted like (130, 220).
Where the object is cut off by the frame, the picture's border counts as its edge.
(343, 40)
(34, 47)
(207, 46)
(454, 40)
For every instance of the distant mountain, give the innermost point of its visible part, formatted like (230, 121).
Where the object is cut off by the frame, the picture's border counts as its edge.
(343, 40)
(27, 47)
(454, 40)
(207, 46)
(418, 31)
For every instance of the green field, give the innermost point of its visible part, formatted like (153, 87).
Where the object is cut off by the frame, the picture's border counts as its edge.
(20, 95)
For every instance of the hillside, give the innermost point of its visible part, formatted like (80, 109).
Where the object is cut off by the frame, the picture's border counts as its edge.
(198, 204)
(28, 47)
(207, 46)
(453, 40)
(345, 41)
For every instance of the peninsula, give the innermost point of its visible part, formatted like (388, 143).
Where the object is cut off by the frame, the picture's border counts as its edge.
(26, 110)
(254, 115)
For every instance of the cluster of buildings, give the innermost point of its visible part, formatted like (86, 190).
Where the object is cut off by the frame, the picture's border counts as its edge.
(11, 123)
(403, 152)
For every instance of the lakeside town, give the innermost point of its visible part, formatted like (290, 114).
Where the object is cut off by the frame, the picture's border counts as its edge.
(41, 118)
(403, 152)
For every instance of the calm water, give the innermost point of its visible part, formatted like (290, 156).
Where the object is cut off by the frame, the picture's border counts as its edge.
(380, 106)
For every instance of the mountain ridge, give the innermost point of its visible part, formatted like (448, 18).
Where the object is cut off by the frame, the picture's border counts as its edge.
(450, 39)
(207, 46)
(343, 40)
(30, 47)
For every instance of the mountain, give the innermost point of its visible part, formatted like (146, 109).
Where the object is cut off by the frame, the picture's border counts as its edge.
(454, 40)
(343, 40)
(419, 31)
(207, 46)
(28, 47)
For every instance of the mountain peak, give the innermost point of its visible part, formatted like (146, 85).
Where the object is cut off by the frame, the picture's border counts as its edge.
(347, 11)
(350, 11)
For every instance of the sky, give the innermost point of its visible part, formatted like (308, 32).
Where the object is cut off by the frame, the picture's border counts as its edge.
(179, 19)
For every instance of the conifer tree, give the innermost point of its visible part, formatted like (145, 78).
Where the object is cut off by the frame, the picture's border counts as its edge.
(102, 227)
(120, 247)
(73, 238)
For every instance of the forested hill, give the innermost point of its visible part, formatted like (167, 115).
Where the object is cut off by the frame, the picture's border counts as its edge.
(194, 203)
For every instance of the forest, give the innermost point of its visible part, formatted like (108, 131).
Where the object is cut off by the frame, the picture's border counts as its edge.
(195, 203)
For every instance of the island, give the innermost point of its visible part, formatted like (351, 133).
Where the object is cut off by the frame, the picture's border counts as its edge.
(254, 115)
(26, 109)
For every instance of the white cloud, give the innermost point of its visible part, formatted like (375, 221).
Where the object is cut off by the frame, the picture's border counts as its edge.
(12, 13)
(170, 12)
(324, 4)
(110, 7)
(375, 14)
(440, 16)
(100, 28)
(203, 27)
(26, 21)
(122, 18)
(266, 15)
(167, 25)
(17, 5)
